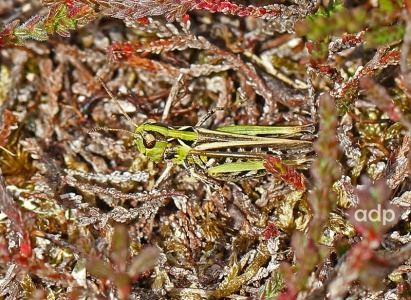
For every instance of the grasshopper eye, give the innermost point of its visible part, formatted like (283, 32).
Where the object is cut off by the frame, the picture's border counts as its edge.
(149, 140)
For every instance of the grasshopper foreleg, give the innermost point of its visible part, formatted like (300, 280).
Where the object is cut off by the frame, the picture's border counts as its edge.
(163, 175)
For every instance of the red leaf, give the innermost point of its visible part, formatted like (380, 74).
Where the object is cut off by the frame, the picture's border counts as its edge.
(9, 121)
(270, 231)
(284, 172)
(6, 34)
(25, 248)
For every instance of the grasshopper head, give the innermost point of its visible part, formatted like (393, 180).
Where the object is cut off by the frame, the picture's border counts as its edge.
(152, 143)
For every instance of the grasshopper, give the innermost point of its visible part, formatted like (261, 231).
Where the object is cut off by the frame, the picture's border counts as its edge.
(225, 153)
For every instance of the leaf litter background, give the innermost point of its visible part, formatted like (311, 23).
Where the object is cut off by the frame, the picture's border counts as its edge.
(78, 217)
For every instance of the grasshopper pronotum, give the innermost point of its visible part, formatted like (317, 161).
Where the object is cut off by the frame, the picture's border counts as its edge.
(225, 153)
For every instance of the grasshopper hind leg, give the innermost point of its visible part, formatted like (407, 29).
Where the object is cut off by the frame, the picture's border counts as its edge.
(209, 181)
(211, 185)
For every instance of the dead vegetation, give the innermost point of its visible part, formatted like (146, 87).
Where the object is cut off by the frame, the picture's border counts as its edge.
(79, 216)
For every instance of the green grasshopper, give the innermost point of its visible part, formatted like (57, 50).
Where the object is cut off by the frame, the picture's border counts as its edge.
(226, 153)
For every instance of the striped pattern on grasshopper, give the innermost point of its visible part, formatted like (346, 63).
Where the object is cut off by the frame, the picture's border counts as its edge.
(225, 153)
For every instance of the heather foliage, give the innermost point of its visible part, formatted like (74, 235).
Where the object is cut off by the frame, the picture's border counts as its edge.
(80, 218)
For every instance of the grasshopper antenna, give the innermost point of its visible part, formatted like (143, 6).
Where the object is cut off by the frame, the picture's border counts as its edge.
(114, 129)
(117, 103)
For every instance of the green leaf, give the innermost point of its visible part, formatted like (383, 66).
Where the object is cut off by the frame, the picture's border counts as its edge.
(334, 6)
(33, 28)
(390, 6)
(58, 21)
(384, 36)
(319, 28)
